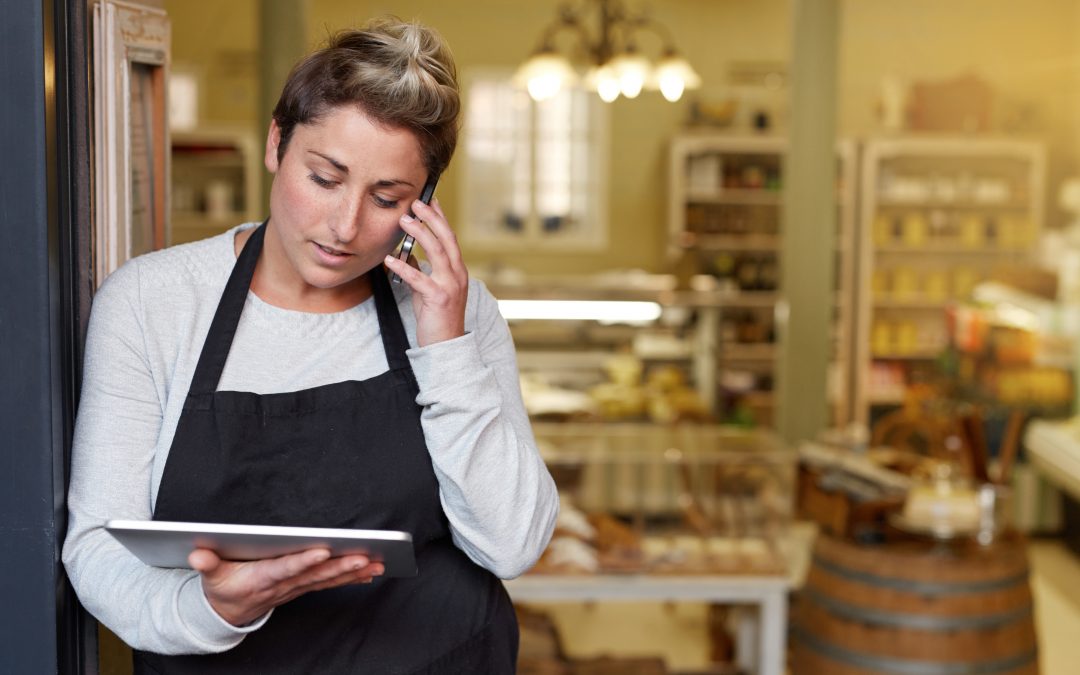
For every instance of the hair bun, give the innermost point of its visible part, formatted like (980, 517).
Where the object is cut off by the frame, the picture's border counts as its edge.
(400, 73)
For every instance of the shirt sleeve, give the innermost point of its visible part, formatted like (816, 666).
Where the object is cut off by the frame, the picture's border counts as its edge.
(116, 432)
(498, 496)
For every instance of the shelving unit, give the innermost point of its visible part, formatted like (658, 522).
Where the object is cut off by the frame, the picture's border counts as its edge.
(215, 182)
(937, 216)
(724, 220)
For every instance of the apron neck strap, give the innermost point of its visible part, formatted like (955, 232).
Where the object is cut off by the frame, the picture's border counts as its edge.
(227, 317)
(219, 340)
(395, 342)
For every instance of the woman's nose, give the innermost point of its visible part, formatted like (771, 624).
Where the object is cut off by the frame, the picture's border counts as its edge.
(346, 220)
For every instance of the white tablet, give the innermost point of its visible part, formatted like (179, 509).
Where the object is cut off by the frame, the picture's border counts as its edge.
(167, 544)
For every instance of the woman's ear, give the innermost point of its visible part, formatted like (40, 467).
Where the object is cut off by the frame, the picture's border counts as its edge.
(273, 141)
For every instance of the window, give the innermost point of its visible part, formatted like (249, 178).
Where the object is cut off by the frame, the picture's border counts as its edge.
(534, 171)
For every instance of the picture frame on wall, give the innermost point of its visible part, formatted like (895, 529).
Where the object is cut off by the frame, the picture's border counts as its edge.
(131, 143)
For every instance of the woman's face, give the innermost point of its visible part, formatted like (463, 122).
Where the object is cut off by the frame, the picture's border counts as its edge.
(337, 197)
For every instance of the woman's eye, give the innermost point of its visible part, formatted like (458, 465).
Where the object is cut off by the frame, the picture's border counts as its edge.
(320, 181)
(384, 203)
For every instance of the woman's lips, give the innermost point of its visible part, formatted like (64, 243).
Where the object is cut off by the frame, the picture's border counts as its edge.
(330, 256)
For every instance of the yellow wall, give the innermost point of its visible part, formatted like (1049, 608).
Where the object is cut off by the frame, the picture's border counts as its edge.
(499, 33)
(218, 42)
(210, 38)
(1028, 51)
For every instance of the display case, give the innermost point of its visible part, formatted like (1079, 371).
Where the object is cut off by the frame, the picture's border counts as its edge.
(724, 220)
(668, 499)
(667, 513)
(597, 366)
(937, 217)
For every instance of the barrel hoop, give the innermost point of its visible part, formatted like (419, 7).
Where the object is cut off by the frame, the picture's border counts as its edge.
(928, 588)
(908, 667)
(926, 622)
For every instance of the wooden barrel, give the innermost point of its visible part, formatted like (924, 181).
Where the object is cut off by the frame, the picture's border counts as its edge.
(913, 608)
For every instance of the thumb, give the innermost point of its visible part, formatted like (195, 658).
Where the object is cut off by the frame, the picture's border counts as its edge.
(203, 560)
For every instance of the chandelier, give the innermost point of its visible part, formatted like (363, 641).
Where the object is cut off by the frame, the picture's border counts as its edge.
(614, 64)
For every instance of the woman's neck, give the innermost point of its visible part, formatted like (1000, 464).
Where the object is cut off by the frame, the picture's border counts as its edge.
(267, 284)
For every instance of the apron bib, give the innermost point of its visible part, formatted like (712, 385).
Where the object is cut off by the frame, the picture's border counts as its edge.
(350, 454)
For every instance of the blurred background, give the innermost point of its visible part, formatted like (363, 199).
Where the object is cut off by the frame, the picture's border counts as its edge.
(797, 321)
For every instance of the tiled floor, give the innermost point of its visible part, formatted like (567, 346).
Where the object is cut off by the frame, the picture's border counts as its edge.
(678, 632)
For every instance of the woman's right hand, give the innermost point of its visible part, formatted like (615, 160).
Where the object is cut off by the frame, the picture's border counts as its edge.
(241, 592)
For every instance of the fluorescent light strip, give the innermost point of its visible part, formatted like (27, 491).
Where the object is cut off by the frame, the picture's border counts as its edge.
(604, 311)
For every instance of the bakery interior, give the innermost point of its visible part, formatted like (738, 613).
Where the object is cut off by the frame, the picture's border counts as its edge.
(799, 345)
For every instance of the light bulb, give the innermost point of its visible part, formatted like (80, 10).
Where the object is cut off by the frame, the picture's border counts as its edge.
(631, 84)
(607, 83)
(672, 86)
(608, 90)
(633, 70)
(544, 74)
(674, 75)
(543, 87)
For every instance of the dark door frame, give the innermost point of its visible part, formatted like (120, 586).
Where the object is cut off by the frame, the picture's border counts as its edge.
(45, 288)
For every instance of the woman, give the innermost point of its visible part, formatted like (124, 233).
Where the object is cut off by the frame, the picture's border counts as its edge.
(273, 375)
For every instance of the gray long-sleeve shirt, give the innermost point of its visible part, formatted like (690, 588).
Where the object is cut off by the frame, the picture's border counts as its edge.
(146, 332)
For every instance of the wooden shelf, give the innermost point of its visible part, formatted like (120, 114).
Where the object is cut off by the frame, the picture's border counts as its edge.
(186, 218)
(917, 305)
(747, 299)
(731, 242)
(737, 197)
(966, 205)
(912, 356)
(734, 351)
(226, 159)
(760, 399)
(950, 250)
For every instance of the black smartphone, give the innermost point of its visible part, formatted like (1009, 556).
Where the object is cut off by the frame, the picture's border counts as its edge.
(409, 242)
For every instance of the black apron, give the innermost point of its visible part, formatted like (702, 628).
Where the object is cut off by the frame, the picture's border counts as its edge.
(350, 454)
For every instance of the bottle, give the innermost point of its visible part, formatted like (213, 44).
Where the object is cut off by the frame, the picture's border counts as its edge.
(768, 274)
(746, 274)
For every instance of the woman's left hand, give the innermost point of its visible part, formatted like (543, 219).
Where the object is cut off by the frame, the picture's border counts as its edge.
(439, 298)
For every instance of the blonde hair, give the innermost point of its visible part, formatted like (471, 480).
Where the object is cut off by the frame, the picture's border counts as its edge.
(399, 74)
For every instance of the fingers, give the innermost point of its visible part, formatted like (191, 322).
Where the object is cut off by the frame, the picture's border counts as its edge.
(425, 237)
(436, 291)
(434, 234)
(354, 574)
(322, 574)
(290, 566)
(437, 205)
(334, 573)
(439, 298)
(240, 592)
(411, 275)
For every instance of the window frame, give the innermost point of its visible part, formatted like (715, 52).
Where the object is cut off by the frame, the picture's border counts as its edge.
(592, 235)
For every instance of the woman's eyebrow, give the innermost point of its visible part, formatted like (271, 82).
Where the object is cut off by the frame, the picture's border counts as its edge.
(337, 165)
(344, 169)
